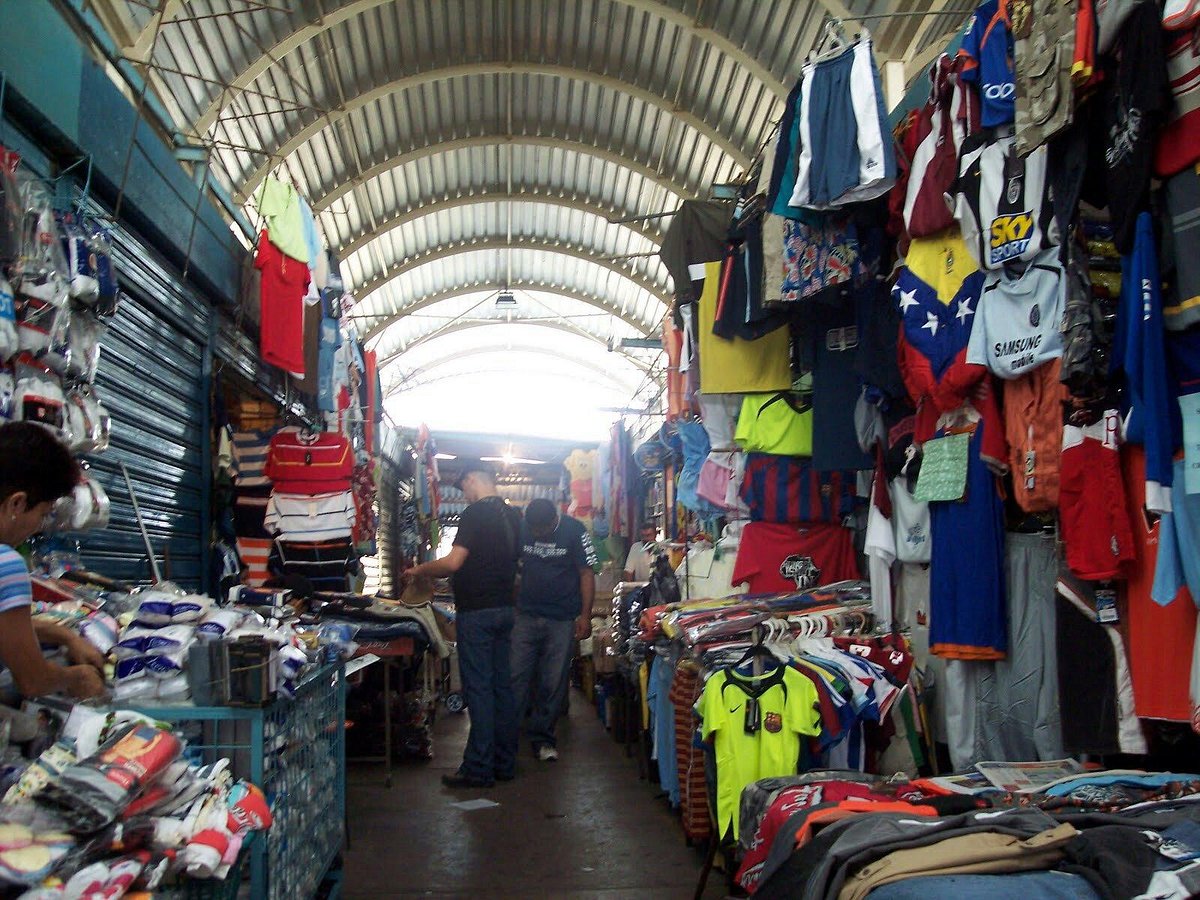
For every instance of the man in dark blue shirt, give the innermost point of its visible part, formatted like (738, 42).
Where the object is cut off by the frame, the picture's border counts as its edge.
(554, 610)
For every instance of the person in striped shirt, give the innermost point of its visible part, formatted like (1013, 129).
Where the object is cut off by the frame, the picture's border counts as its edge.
(36, 469)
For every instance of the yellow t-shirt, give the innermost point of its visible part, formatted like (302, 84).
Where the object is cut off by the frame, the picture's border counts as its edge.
(943, 262)
(279, 205)
(769, 423)
(768, 746)
(737, 366)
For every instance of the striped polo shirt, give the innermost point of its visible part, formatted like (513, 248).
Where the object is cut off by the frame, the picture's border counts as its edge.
(316, 517)
(15, 590)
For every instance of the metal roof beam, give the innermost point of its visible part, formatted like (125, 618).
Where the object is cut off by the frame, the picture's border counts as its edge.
(529, 286)
(437, 254)
(421, 209)
(562, 355)
(256, 66)
(645, 367)
(312, 129)
(396, 161)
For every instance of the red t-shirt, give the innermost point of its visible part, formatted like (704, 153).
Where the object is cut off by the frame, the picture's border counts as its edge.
(777, 558)
(300, 463)
(284, 284)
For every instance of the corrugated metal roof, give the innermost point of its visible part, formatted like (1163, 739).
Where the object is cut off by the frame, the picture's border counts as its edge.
(453, 147)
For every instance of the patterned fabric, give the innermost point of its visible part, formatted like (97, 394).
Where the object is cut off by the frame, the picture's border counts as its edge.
(693, 787)
(817, 257)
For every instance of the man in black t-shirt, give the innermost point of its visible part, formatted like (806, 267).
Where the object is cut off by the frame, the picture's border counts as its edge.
(482, 566)
(554, 612)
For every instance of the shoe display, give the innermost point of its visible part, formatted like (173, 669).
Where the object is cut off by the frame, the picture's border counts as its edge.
(546, 753)
(459, 780)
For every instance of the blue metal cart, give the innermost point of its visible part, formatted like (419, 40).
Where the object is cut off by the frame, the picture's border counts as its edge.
(296, 751)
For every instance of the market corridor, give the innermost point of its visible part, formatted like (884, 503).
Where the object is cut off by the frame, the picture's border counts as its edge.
(585, 826)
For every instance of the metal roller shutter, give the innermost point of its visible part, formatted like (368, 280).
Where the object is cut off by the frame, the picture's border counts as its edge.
(152, 379)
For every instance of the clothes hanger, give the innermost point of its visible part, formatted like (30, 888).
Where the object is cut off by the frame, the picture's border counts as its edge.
(833, 42)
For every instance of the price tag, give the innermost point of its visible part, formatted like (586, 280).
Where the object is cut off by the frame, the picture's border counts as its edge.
(1106, 607)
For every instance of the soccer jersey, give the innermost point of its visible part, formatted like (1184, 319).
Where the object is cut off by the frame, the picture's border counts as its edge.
(792, 489)
(284, 282)
(1178, 145)
(1018, 319)
(776, 558)
(1003, 204)
(316, 517)
(987, 55)
(309, 463)
(756, 724)
(738, 366)
(1182, 303)
(15, 590)
(910, 521)
(775, 423)
(1091, 500)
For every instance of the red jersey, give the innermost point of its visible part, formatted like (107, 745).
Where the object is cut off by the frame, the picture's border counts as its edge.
(300, 463)
(1160, 639)
(284, 284)
(775, 559)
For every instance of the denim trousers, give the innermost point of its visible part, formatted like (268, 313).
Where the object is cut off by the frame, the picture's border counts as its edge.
(484, 641)
(541, 656)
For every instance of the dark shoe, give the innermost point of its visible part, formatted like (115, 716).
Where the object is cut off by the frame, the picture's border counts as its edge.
(508, 776)
(459, 780)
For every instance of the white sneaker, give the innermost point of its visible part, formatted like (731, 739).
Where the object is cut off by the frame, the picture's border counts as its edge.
(546, 753)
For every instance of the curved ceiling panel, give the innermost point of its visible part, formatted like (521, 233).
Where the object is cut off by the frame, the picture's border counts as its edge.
(480, 308)
(453, 148)
(615, 287)
(523, 223)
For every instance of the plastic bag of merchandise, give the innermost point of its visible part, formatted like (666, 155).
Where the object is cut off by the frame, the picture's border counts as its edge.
(84, 509)
(108, 294)
(8, 387)
(42, 266)
(38, 397)
(84, 334)
(43, 331)
(9, 341)
(34, 842)
(139, 640)
(11, 219)
(81, 262)
(161, 607)
(93, 793)
(91, 419)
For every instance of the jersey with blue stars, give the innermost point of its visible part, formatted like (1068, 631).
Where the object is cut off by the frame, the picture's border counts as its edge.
(938, 331)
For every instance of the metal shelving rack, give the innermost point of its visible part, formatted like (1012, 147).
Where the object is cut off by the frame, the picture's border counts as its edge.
(296, 751)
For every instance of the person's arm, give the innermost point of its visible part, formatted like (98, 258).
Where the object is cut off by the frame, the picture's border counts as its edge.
(442, 567)
(80, 650)
(33, 673)
(587, 587)
(631, 562)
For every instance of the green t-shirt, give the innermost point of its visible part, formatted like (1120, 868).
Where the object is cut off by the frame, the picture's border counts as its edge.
(279, 205)
(771, 423)
(787, 709)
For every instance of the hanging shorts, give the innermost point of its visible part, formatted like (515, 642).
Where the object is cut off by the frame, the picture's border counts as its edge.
(843, 155)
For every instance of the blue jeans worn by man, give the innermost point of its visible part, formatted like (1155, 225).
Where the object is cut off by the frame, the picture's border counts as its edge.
(484, 642)
(541, 656)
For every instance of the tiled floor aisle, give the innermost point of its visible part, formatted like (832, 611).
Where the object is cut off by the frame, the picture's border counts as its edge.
(585, 826)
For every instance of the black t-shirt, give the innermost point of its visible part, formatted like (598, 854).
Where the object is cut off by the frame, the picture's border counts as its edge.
(550, 570)
(490, 532)
(1132, 103)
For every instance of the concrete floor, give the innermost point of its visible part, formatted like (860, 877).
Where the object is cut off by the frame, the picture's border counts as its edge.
(582, 827)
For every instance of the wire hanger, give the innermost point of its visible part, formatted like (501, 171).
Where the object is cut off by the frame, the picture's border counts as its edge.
(833, 42)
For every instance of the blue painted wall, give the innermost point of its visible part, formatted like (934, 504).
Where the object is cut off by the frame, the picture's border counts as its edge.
(59, 92)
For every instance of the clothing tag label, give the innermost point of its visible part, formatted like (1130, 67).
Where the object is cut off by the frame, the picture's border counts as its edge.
(1189, 405)
(1106, 607)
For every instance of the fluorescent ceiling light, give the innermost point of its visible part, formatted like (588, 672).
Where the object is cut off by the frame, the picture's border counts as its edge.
(513, 460)
(446, 456)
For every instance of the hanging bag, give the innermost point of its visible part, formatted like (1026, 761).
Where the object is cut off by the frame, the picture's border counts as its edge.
(943, 474)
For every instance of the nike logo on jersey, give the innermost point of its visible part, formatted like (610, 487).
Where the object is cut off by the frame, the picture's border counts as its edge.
(735, 709)
(1010, 236)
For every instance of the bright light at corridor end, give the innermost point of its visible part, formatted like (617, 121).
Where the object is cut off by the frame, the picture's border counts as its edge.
(549, 405)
